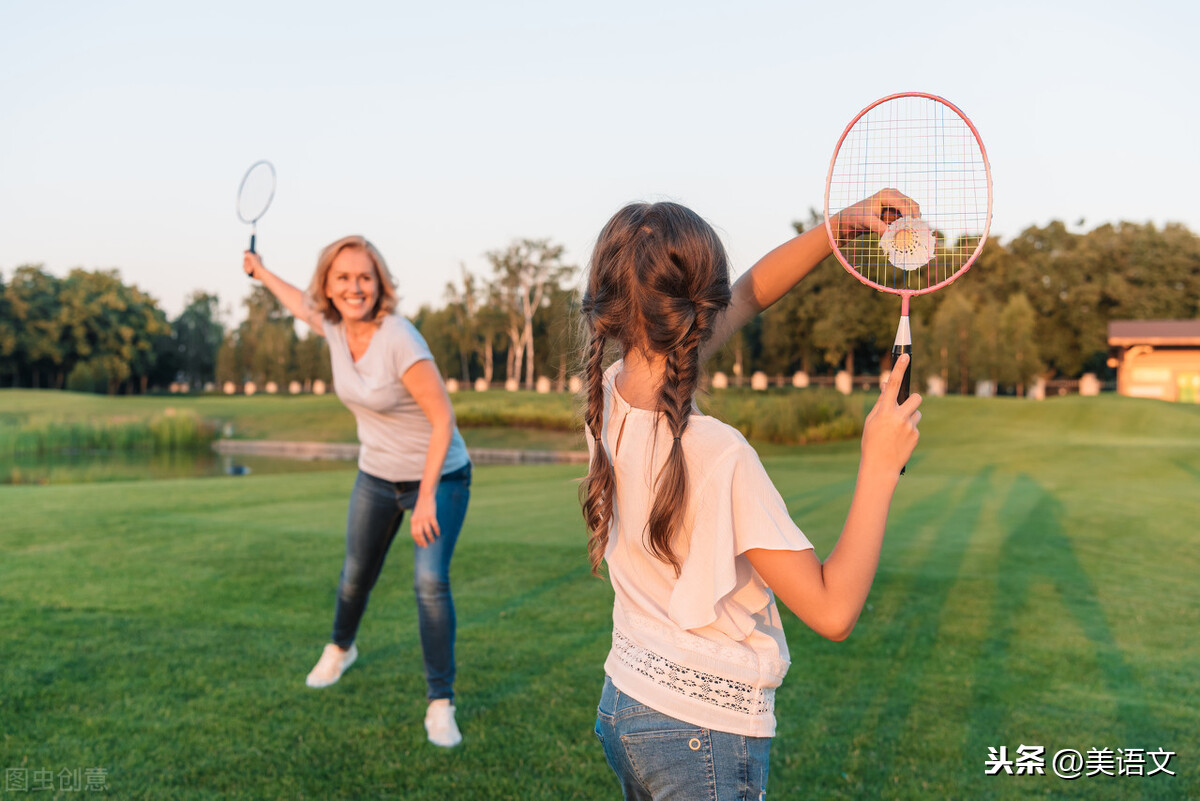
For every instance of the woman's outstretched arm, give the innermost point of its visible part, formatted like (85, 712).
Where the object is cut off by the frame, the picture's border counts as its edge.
(291, 297)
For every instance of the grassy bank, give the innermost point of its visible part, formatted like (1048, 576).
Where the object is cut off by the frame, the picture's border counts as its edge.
(1038, 586)
(545, 421)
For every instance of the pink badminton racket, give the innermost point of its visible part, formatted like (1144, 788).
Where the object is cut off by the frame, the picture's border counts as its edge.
(924, 147)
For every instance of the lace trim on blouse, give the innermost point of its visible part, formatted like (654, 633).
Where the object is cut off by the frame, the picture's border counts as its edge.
(775, 668)
(691, 683)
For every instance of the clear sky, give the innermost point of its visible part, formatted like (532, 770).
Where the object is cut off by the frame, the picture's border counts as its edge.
(444, 130)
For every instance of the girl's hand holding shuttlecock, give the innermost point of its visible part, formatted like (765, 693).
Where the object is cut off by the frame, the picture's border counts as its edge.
(875, 213)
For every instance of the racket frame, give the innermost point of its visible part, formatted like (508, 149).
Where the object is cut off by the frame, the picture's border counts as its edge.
(903, 343)
(905, 294)
(253, 222)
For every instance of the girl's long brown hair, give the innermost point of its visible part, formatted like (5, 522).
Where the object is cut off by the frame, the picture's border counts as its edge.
(658, 279)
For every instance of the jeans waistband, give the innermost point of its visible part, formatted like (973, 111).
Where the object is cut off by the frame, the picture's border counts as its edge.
(461, 474)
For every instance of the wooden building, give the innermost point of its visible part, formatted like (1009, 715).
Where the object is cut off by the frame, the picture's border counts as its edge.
(1157, 358)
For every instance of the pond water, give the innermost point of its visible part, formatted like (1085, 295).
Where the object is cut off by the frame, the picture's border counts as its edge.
(79, 468)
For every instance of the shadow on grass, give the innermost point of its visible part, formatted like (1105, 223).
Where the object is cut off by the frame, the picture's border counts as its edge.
(515, 670)
(1036, 551)
(1190, 469)
(915, 628)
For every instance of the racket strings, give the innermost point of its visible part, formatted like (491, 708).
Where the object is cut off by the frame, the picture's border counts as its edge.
(927, 151)
(256, 192)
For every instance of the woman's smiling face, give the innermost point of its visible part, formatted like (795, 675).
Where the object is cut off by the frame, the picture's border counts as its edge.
(352, 285)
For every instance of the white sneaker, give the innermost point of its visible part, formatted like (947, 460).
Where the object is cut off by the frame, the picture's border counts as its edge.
(332, 664)
(440, 725)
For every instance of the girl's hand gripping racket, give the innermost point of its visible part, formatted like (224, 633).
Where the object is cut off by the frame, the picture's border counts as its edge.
(255, 194)
(908, 200)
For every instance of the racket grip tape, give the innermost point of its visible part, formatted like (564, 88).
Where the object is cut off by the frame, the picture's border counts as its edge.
(252, 238)
(902, 394)
(897, 352)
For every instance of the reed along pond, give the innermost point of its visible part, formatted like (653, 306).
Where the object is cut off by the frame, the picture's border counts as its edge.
(171, 445)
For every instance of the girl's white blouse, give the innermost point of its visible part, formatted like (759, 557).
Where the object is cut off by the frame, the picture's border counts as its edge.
(706, 646)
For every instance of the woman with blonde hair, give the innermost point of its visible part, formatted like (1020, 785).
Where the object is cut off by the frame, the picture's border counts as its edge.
(411, 458)
(697, 541)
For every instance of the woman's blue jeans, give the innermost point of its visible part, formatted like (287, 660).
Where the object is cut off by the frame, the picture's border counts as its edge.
(660, 758)
(376, 511)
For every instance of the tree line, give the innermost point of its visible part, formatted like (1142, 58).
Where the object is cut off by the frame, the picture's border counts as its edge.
(1037, 305)
(87, 331)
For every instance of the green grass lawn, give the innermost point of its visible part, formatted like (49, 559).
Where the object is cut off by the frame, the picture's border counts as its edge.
(1038, 586)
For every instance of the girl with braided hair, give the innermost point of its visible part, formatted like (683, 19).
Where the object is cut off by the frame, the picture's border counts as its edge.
(697, 541)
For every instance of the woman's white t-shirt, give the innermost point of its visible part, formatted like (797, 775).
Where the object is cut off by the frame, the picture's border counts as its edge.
(706, 647)
(392, 429)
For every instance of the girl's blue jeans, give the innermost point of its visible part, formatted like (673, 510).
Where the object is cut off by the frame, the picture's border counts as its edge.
(660, 758)
(376, 511)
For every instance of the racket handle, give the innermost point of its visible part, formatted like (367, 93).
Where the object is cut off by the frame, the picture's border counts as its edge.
(902, 395)
(252, 237)
(897, 352)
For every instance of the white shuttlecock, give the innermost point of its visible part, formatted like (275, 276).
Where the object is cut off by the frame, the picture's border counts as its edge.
(908, 243)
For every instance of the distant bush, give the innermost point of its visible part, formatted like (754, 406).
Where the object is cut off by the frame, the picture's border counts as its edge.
(87, 377)
(787, 417)
(554, 412)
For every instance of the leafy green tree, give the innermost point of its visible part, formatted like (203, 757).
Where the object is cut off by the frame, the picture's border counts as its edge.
(32, 296)
(267, 339)
(951, 338)
(1151, 273)
(144, 310)
(8, 338)
(988, 352)
(439, 328)
(787, 333)
(787, 337)
(853, 319)
(462, 303)
(523, 273)
(490, 326)
(110, 326)
(229, 367)
(1063, 277)
(165, 368)
(312, 360)
(830, 318)
(196, 336)
(555, 332)
(1018, 334)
